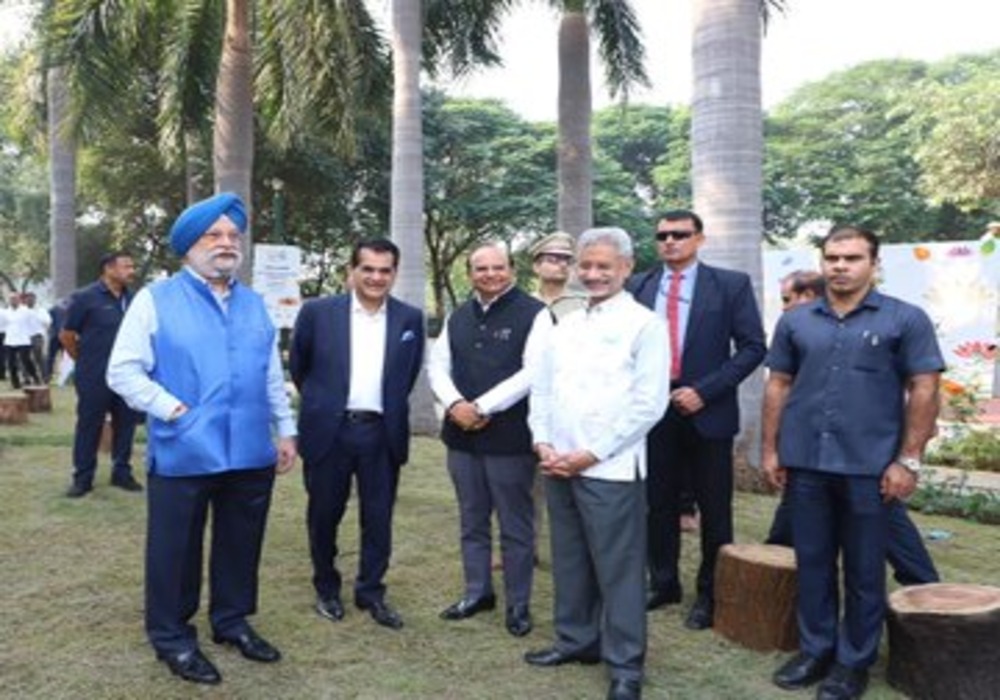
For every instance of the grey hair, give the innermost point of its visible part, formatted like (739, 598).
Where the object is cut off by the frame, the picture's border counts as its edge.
(616, 237)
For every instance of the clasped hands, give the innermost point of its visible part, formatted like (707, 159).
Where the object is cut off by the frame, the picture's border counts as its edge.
(466, 416)
(564, 465)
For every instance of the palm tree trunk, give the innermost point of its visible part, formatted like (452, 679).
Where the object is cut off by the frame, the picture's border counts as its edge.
(575, 209)
(232, 147)
(407, 205)
(62, 187)
(727, 157)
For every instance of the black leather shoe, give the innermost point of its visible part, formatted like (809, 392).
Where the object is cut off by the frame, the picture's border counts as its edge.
(78, 490)
(383, 614)
(251, 645)
(192, 666)
(126, 483)
(330, 608)
(801, 671)
(663, 596)
(467, 607)
(556, 657)
(519, 620)
(700, 617)
(624, 689)
(843, 684)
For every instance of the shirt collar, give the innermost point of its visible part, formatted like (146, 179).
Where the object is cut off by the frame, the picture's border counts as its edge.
(485, 305)
(609, 304)
(688, 272)
(871, 300)
(357, 308)
(230, 282)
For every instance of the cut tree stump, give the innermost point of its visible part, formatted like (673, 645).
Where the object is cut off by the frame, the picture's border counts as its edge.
(13, 408)
(39, 399)
(756, 589)
(944, 641)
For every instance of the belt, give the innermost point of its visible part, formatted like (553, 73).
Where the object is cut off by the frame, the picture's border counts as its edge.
(362, 416)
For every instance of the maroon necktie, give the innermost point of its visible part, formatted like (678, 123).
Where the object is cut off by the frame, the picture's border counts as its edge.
(673, 324)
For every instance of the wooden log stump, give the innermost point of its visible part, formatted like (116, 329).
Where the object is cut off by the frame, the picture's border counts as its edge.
(944, 641)
(756, 589)
(39, 399)
(13, 408)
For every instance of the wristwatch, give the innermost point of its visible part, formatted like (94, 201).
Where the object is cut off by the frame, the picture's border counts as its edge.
(910, 464)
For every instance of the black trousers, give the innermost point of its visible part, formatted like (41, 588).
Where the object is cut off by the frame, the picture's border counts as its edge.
(361, 452)
(178, 509)
(94, 400)
(20, 357)
(673, 446)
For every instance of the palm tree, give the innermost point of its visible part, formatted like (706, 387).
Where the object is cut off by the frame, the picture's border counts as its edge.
(62, 186)
(727, 151)
(407, 198)
(621, 51)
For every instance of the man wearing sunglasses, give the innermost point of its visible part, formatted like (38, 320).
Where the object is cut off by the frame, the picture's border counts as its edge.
(716, 340)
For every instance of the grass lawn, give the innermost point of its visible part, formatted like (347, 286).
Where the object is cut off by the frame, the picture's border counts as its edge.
(71, 576)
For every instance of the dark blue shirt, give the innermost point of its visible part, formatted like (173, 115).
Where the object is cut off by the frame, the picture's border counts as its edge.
(94, 314)
(845, 410)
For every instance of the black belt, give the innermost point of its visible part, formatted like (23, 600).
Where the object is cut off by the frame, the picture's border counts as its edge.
(362, 416)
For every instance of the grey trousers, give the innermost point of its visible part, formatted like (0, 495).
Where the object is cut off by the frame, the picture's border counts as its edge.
(484, 483)
(598, 531)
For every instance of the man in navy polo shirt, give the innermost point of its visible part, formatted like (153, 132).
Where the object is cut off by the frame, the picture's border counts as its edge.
(92, 322)
(849, 405)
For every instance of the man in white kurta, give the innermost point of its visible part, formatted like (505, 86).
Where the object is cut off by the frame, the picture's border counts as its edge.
(599, 388)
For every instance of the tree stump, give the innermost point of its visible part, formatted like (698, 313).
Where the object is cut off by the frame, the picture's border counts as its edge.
(39, 399)
(13, 408)
(944, 641)
(756, 590)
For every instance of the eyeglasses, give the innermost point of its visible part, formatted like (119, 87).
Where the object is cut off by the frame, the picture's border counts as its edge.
(554, 258)
(675, 235)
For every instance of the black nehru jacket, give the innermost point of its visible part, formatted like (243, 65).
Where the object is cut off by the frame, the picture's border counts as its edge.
(486, 348)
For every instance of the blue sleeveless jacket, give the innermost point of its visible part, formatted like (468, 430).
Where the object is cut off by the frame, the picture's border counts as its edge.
(216, 363)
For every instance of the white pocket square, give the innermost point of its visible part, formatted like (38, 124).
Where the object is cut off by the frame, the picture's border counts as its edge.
(407, 336)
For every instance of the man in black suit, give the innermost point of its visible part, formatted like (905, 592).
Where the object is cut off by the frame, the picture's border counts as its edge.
(355, 358)
(717, 340)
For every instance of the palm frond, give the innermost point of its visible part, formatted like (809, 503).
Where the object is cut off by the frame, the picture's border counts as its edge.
(462, 34)
(620, 45)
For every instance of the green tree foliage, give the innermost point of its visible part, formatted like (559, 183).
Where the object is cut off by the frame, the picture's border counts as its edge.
(845, 149)
(489, 175)
(954, 114)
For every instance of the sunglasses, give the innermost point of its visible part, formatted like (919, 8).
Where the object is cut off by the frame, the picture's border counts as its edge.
(674, 235)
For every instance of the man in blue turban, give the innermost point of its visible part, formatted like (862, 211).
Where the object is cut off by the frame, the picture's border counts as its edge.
(198, 354)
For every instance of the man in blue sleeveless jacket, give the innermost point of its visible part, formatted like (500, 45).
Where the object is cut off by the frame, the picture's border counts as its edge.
(198, 354)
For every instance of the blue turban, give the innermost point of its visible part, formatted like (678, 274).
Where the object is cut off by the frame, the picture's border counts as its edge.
(199, 217)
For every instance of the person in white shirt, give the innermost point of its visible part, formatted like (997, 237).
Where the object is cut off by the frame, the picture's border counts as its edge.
(599, 387)
(40, 322)
(479, 370)
(20, 325)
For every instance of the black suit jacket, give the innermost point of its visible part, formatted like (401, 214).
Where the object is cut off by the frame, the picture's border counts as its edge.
(724, 341)
(320, 366)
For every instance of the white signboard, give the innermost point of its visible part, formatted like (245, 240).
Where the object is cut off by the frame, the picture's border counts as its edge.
(956, 283)
(276, 270)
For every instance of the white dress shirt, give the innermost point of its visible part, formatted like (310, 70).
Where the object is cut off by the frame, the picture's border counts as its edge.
(132, 360)
(505, 393)
(686, 293)
(601, 385)
(20, 327)
(367, 359)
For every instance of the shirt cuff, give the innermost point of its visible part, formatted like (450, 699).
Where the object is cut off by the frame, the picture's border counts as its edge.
(164, 405)
(286, 428)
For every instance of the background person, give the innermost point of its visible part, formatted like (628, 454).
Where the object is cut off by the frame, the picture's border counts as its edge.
(88, 334)
(20, 327)
(199, 354)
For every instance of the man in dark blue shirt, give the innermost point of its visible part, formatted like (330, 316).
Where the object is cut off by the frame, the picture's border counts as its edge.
(849, 405)
(88, 334)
